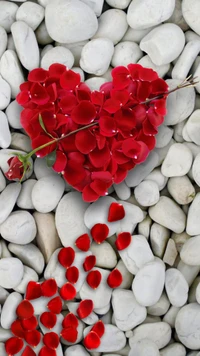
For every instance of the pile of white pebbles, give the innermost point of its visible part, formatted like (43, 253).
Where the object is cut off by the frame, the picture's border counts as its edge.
(156, 310)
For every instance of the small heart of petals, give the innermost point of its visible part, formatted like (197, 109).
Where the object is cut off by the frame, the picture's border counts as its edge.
(83, 242)
(70, 320)
(55, 305)
(99, 328)
(85, 308)
(99, 233)
(89, 263)
(28, 351)
(94, 279)
(33, 290)
(33, 337)
(46, 351)
(116, 212)
(66, 256)
(17, 329)
(92, 341)
(115, 279)
(25, 310)
(13, 345)
(51, 340)
(72, 274)
(123, 240)
(70, 334)
(49, 288)
(68, 291)
(48, 319)
(29, 324)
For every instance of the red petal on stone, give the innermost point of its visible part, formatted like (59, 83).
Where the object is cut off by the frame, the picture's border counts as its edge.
(33, 337)
(84, 113)
(66, 256)
(149, 130)
(68, 291)
(33, 290)
(116, 212)
(89, 263)
(85, 308)
(97, 98)
(28, 351)
(94, 279)
(120, 175)
(108, 126)
(13, 345)
(49, 288)
(70, 320)
(56, 70)
(70, 80)
(134, 70)
(70, 334)
(39, 94)
(38, 75)
(85, 141)
(51, 340)
(72, 274)
(48, 319)
(150, 141)
(100, 158)
(68, 103)
(25, 310)
(89, 195)
(160, 106)
(100, 187)
(148, 74)
(74, 173)
(131, 148)
(121, 77)
(99, 328)
(83, 242)
(61, 161)
(114, 279)
(159, 86)
(17, 329)
(92, 340)
(143, 91)
(55, 305)
(123, 240)
(99, 232)
(29, 324)
(23, 98)
(154, 118)
(42, 139)
(46, 351)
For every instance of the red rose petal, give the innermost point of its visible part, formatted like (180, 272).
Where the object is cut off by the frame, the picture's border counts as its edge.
(66, 256)
(84, 113)
(56, 70)
(99, 232)
(55, 305)
(70, 80)
(83, 242)
(25, 310)
(33, 337)
(123, 240)
(72, 274)
(92, 340)
(33, 290)
(85, 141)
(100, 158)
(29, 324)
(89, 195)
(116, 212)
(38, 75)
(114, 279)
(89, 263)
(61, 161)
(121, 77)
(94, 279)
(28, 351)
(51, 340)
(108, 126)
(68, 291)
(70, 334)
(46, 351)
(16, 328)
(85, 308)
(13, 345)
(48, 319)
(100, 187)
(70, 320)
(99, 328)
(49, 288)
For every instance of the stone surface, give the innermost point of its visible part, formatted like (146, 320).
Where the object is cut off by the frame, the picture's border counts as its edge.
(144, 347)
(178, 161)
(29, 254)
(7, 14)
(11, 272)
(126, 52)
(57, 55)
(181, 189)
(105, 255)
(8, 199)
(190, 251)
(190, 11)
(193, 223)
(176, 287)
(8, 313)
(5, 94)
(147, 193)
(30, 13)
(5, 136)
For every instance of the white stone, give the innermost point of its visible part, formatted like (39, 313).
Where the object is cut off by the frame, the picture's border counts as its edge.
(197, 292)
(126, 52)
(177, 16)
(11, 71)
(4, 250)
(189, 272)
(3, 40)
(178, 131)
(42, 34)
(56, 329)
(26, 45)
(127, 312)
(5, 136)
(32, 14)
(40, 305)
(180, 239)
(8, 199)
(196, 169)
(144, 227)
(190, 14)
(5, 94)
(96, 56)
(133, 216)
(173, 349)
(168, 214)
(47, 193)
(13, 113)
(2, 182)
(193, 222)
(89, 320)
(144, 14)
(137, 254)
(42, 170)
(19, 227)
(105, 255)
(157, 177)
(20, 142)
(196, 74)
(187, 326)
(122, 190)
(126, 275)
(11, 272)
(7, 14)
(29, 275)
(176, 287)
(29, 254)
(186, 59)
(162, 152)
(10, 44)
(161, 307)
(45, 50)
(76, 350)
(70, 21)
(144, 347)
(8, 313)
(170, 316)
(5, 335)
(190, 251)
(181, 189)
(147, 193)
(170, 253)
(24, 200)
(96, 5)
(107, 25)
(193, 127)
(164, 136)
(95, 83)
(2, 349)
(57, 55)
(71, 209)
(158, 332)
(55, 270)
(147, 62)
(75, 48)
(119, 4)
(149, 282)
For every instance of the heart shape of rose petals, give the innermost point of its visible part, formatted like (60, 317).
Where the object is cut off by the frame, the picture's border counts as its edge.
(51, 340)
(123, 240)
(48, 319)
(68, 291)
(72, 274)
(94, 279)
(49, 288)
(33, 337)
(13, 345)
(25, 310)
(83, 242)
(29, 324)
(116, 212)
(70, 320)
(92, 340)
(55, 305)
(66, 256)
(89, 263)
(85, 308)
(28, 351)
(99, 232)
(70, 334)
(33, 290)
(99, 328)
(115, 279)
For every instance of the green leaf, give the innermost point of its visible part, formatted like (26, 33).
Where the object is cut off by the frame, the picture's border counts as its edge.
(42, 123)
(51, 158)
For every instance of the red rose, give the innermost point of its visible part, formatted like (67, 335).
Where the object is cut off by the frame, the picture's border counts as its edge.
(16, 169)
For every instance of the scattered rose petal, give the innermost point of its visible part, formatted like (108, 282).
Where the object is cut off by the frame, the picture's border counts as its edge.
(85, 308)
(89, 263)
(46, 351)
(92, 340)
(55, 305)
(33, 337)
(25, 310)
(33, 290)
(48, 319)
(123, 240)
(51, 340)
(49, 288)
(94, 279)
(72, 274)
(28, 351)
(70, 334)
(83, 242)
(114, 279)
(70, 320)
(29, 324)
(17, 329)
(116, 212)
(66, 256)
(99, 232)
(68, 291)
(99, 328)
(13, 345)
